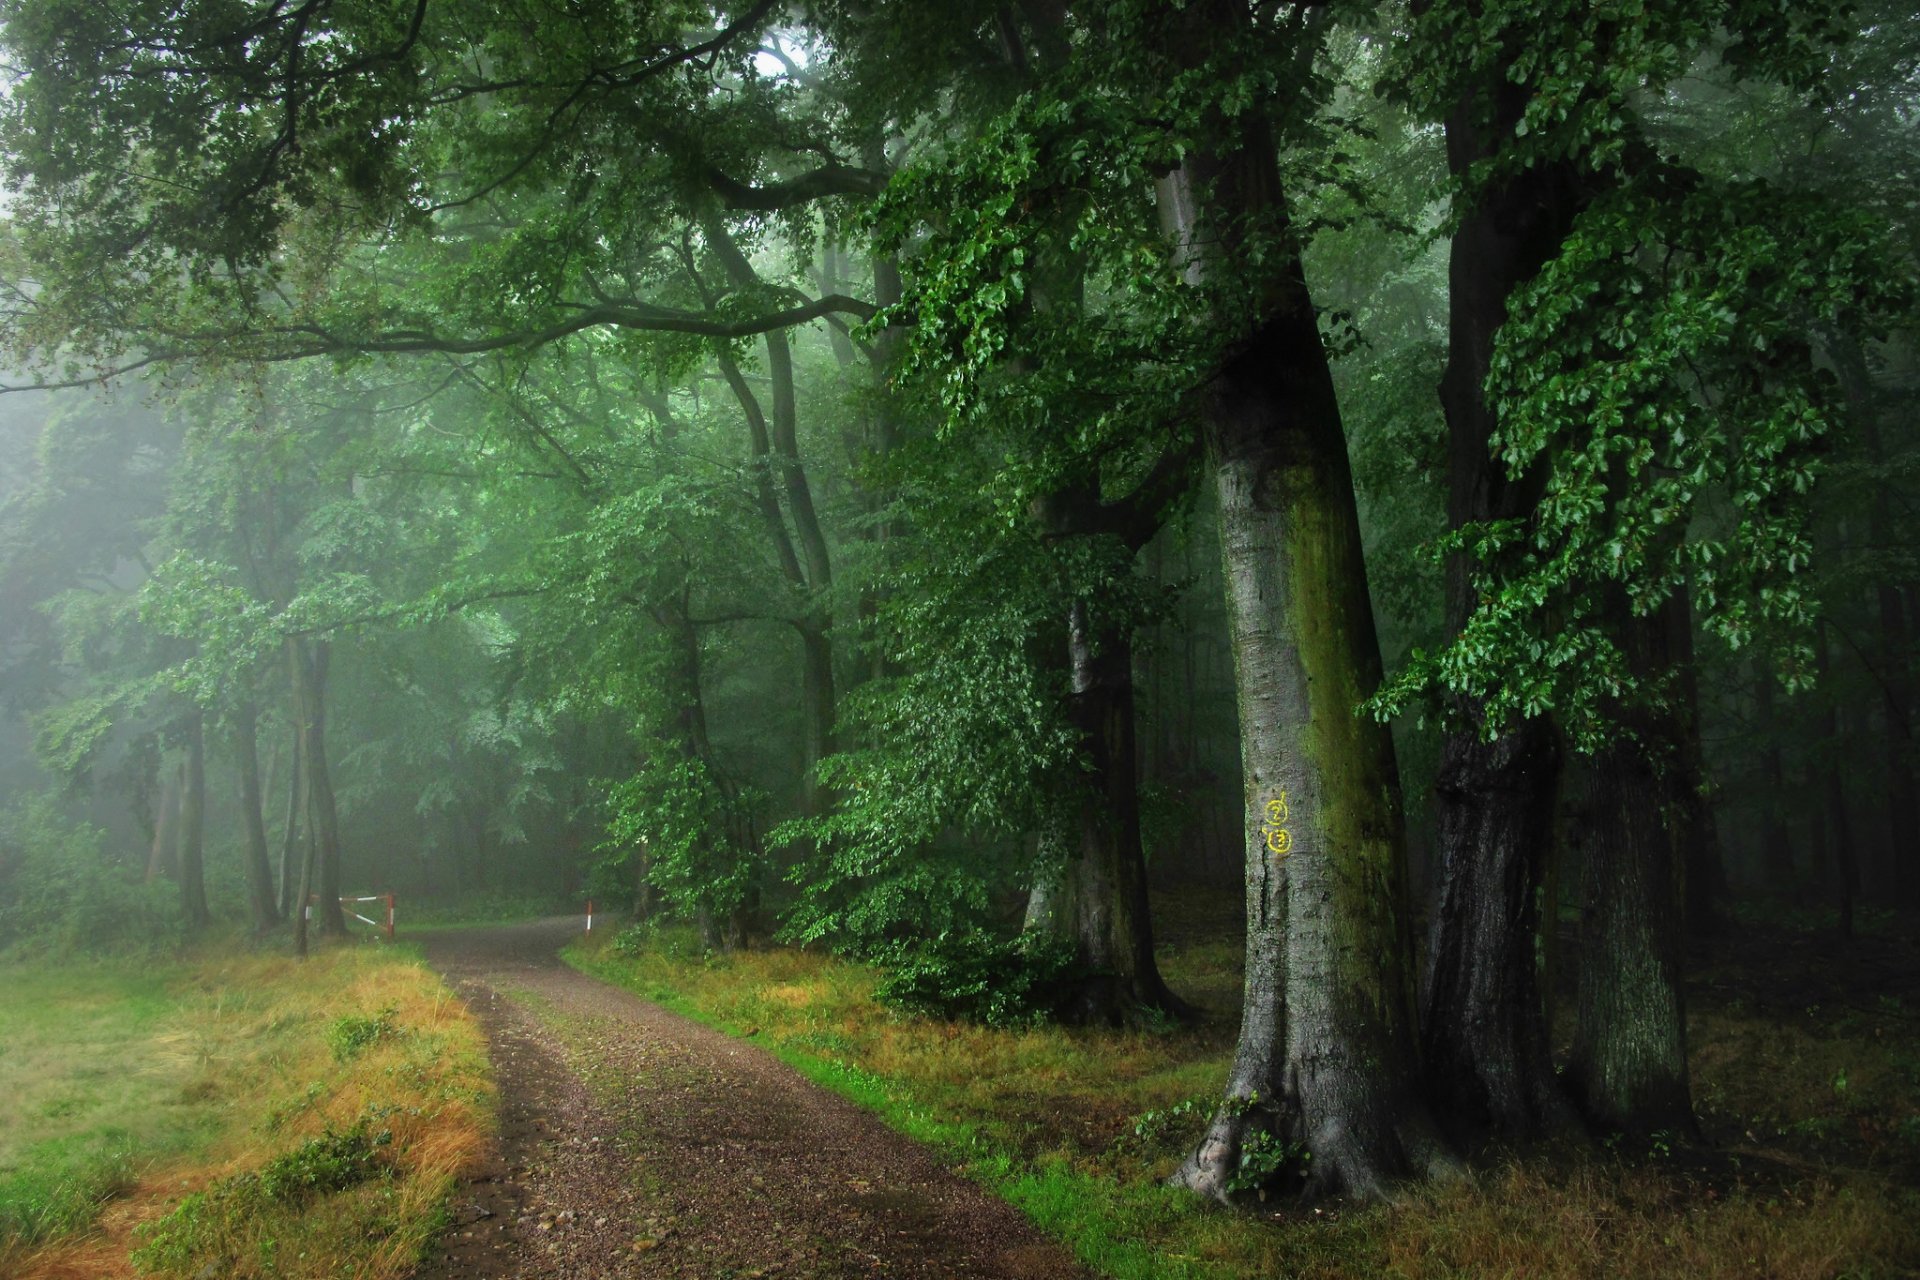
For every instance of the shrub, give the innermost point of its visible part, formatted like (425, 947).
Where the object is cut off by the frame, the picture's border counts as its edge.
(350, 1034)
(60, 890)
(980, 978)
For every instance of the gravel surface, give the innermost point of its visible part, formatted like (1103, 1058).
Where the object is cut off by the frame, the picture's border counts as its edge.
(636, 1143)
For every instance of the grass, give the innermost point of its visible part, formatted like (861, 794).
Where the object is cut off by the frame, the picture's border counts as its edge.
(188, 1119)
(1080, 1128)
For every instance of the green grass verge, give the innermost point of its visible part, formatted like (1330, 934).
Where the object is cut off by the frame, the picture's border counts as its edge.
(225, 1097)
(92, 1090)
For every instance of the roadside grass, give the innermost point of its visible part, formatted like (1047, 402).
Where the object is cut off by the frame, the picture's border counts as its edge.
(232, 1113)
(1080, 1127)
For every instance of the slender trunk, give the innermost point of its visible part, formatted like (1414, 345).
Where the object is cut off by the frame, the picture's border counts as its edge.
(1845, 860)
(819, 703)
(310, 666)
(303, 910)
(1776, 847)
(290, 847)
(1327, 1057)
(817, 712)
(1097, 902)
(261, 905)
(191, 859)
(1696, 830)
(642, 885)
(693, 742)
(159, 857)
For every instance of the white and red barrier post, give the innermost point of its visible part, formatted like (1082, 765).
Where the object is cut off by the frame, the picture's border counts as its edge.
(589, 915)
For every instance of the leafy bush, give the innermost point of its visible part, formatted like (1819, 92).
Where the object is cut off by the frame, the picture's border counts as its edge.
(354, 1032)
(980, 978)
(60, 890)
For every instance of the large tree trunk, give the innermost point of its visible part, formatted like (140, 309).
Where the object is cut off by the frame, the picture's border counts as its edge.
(1484, 1030)
(1629, 1062)
(310, 665)
(1485, 1034)
(1096, 901)
(1327, 1057)
(191, 859)
(261, 904)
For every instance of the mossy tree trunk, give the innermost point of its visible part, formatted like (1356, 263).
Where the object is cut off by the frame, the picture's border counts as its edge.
(1327, 1059)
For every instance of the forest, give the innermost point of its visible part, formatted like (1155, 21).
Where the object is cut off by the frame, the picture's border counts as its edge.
(1351, 571)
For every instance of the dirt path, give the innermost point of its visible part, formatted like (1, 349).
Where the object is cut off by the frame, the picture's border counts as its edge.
(637, 1144)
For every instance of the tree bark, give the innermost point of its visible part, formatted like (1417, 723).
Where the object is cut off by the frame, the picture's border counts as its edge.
(310, 663)
(160, 855)
(290, 847)
(261, 903)
(1484, 1029)
(1846, 863)
(1898, 872)
(1696, 829)
(1485, 1035)
(1776, 847)
(191, 858)
(1096, 902)
(1327, 1057)
(1629, 1061)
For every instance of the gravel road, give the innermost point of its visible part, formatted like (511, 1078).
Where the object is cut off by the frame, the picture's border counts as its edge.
(635, 1143)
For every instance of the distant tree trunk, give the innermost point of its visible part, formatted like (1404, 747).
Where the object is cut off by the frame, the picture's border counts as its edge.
(290, 846)
(160, 856)
(1327, 1056)
(1629, 1062)
(262, 907)
(191, 860)
(1097, 901)
(776, 446)
(303, 911)
(1846, 864)
(310, 663)
(1776, 847)
(642, 884)
(719, 931)
(1898, 869)
(1696, 831)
